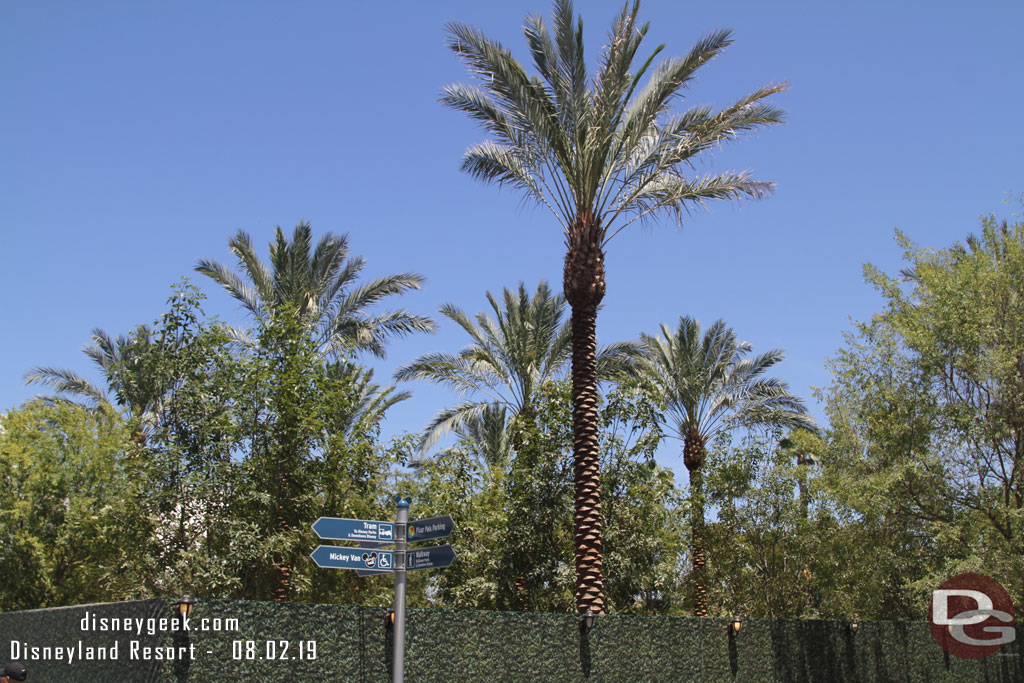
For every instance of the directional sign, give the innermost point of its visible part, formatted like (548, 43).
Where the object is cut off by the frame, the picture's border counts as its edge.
(334, 557)
(427, 529)
(429, 558)
(354, 529)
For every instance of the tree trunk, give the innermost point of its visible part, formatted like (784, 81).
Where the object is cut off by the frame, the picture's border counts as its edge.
(284, 568)
(693, 458)
(584, 286)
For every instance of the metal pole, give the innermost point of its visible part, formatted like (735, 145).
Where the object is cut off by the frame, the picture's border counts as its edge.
(401, 522)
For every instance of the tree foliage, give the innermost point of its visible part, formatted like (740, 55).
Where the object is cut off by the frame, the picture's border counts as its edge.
(65, 510)
(927, 413)
(514, 520)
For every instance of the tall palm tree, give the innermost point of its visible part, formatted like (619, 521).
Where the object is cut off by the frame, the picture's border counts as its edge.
(600, 153)
(321, 285)
(513, 353)
(708, 384)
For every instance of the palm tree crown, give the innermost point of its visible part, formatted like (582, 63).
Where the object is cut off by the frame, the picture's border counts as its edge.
(320, 284)
(125, 363)
(515, 351)
(710, 384)
(595, 154)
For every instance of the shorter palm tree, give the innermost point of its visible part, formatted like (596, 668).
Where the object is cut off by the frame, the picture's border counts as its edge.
(125, 363)
(320, 284)
(802, 447)
(708, 385)
(525, 344)
(371, 400)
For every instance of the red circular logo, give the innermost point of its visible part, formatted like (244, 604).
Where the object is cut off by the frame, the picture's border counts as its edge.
(971, 616)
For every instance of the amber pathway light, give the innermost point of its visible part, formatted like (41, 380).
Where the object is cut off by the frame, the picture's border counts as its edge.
(184, 606)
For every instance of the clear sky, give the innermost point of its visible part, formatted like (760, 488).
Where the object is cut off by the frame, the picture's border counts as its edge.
(138, 138)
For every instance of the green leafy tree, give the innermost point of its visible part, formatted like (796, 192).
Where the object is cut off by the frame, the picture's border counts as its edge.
(708, 384)
(778, 555)
(534, 574)
(63, 522)
(458, 483)
(320, 286)
(187, 467)
(514, 524)
(643, 509)
(927, 418)
(600, 152)
(308, 447)
(306, 408)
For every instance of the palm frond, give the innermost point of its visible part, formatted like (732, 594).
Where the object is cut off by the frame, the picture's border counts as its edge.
(515, 348)
(257, 272)
(449, 420)
(67, 382)
(235, 286)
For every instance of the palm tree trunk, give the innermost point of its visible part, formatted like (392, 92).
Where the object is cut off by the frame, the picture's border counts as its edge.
(584, 285)
(700, 590)
(693, 458)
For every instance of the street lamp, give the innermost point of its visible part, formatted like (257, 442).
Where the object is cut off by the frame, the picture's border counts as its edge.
(587, 621)
(184, 606)
(736, 624)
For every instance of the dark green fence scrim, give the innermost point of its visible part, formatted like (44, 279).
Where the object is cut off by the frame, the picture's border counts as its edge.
(298, 642)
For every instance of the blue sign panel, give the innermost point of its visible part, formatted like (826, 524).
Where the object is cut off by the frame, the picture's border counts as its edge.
(428, 529)
(334, 557)
(433, 557)
(354, 530)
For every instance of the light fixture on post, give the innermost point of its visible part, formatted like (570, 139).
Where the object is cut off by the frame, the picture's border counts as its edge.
(587, 621)
(389, 620)
(184, 607)
(735, 625)
(854, 626)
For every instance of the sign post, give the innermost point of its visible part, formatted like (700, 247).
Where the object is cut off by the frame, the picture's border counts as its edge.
(401, 522)
(369, 558)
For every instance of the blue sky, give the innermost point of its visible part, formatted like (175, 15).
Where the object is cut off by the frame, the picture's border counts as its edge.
(138, 137)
